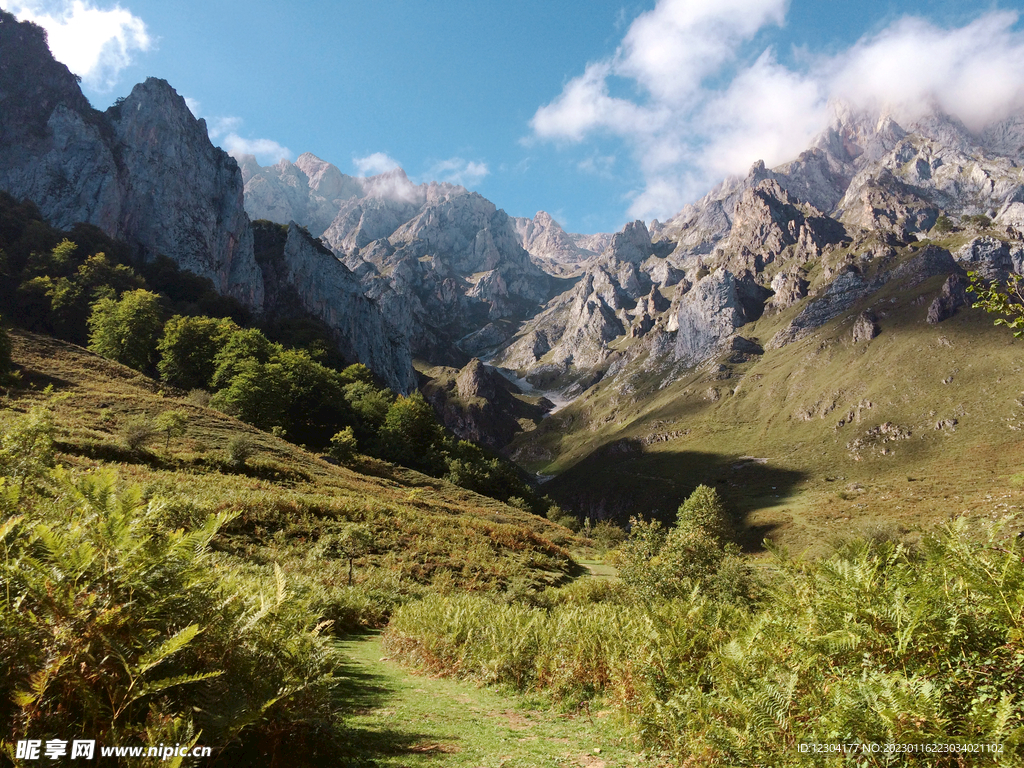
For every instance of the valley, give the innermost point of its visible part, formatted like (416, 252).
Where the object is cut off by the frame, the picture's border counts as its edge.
(320, 469)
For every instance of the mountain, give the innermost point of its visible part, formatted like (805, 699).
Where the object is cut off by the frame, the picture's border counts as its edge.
(555, 250)
(801, 338)
(145, 172)
(444, 263)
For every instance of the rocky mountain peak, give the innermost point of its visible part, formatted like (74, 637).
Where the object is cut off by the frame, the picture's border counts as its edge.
(143, 171)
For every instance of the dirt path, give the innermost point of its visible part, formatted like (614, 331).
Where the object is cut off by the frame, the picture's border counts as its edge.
(398, 719)
(599, 569)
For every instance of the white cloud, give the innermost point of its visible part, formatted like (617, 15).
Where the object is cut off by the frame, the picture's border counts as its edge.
(374, 164)
(224, 132)
(267, 151)
(705, 105)
(95, 43)
(455, 170)
(598, 165)
(975, 72)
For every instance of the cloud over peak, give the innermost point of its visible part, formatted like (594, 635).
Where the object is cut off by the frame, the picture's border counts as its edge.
(706, 101)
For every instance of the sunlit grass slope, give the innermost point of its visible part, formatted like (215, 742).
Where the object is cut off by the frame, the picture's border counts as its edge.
(290, 505)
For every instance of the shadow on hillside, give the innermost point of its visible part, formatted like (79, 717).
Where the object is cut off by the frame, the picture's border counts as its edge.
(360, 693)
(624, 479)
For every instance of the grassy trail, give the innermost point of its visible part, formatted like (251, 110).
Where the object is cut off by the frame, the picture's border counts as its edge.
(397, 719)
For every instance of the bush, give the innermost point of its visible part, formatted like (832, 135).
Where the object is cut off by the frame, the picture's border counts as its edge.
(172, 424)
(343, 445)
(240, 448)
(136, 432)
(656, 562)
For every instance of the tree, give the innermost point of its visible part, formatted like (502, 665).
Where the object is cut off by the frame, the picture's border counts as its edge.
(353, 541)
(241, 346)
(410, 434)
(126, 330)
(26, 446)
(343, 445)
(188, 350)
(172, 424)
(257, 394)
(1008, 301)
(370, 406)
(665, 563)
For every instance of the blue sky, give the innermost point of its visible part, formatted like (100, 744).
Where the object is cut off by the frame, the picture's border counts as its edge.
(597, 112)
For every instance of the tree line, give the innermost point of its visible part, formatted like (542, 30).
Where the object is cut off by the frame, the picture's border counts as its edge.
(283, 377)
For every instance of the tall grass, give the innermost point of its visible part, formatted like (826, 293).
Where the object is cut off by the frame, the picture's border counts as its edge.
(876, 644)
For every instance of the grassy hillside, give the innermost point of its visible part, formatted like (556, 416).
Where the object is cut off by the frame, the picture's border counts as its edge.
(287, 500)
(814, 441)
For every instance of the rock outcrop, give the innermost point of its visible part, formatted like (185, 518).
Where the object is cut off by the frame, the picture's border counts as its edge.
(479, 404)
(445, 265)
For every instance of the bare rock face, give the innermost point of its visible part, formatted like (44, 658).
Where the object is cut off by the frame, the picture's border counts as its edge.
(327, 289)
(708, 315)
(554, 249)
(990, 257)
(951, 298)
(840, 295)
(479, 404)
(444, 264)
(143, 171)
(788, 288)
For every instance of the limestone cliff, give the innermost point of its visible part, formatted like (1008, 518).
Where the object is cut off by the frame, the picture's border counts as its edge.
(143, 171)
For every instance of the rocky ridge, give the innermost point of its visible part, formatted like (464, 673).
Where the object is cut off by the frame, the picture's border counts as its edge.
(823, 232)
(444, 263)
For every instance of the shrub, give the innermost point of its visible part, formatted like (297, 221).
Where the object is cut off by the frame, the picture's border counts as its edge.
(114, 627)
(172, 424)
(943, 224)
(343, 445)
(199, 397)
(136, 432)
(240, 448)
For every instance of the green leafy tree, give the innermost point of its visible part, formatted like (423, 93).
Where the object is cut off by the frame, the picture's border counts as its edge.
(1007, 301)
(370, 406)
(172, 424)
(241, 346)
(660, 562)
(26, 446)
(256, 394)
(943, 224)
(411, 435)
(316, 405)
(189, 347)
(354, 541)
(343, 445)
(126, 330)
